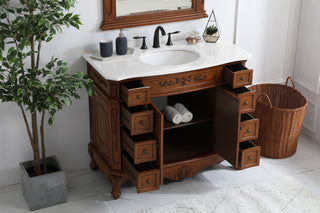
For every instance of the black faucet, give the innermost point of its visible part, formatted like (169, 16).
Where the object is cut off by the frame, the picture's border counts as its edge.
(156, 43)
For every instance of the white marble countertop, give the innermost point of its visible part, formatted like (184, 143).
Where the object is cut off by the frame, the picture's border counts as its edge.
(211, 54)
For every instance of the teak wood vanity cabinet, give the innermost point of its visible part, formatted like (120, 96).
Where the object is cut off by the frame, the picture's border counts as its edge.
(131, 139)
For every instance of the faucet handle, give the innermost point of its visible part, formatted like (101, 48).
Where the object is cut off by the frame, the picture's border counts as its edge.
(175, 32)
(144, 45)
(169, 42)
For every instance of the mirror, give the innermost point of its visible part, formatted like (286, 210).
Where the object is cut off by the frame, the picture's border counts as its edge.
(119, 14)
(139, 7)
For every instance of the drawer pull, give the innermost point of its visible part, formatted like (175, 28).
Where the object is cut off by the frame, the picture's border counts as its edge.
(149, 181)
(249, 130)
(246, 103)
(145, 151)
(139, 97)
(250, 158)
(141, 123)
(243, 78)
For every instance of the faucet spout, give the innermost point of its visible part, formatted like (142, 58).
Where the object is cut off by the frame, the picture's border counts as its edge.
(156, 42)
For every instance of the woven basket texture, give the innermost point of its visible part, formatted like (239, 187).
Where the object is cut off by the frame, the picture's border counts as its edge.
(281, 110)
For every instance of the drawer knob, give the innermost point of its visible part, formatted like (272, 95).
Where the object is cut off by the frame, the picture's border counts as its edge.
(242, 78)
(249, 130)
(139, 97)
(246, 103)
(250, 158)
(141, 123)
(145, 151)
(149, 181)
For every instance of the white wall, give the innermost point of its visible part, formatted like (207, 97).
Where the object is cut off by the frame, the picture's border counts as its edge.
(69, 137)
(268, 29)
(307, 65)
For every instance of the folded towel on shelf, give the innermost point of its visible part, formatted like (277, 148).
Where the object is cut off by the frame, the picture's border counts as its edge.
(186, 114)
(172, 114)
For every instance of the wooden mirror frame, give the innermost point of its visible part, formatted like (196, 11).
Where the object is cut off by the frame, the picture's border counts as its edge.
(111, 21)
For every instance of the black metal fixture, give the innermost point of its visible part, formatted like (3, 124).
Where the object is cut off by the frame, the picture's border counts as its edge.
(156, 43)
(144, 45)
(169, 42)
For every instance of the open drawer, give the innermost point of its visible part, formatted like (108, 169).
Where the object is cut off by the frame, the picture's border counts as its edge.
(247, 98)
(249, 127)
(237, 75)
(137, 119)
(134, 93)
(141, 148)
(144, 176)
(249, 155)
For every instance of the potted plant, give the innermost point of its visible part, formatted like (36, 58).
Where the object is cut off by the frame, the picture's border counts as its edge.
(211, 34)
(39, 88)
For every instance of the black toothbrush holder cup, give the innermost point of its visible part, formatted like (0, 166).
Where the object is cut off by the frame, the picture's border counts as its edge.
(106, 48)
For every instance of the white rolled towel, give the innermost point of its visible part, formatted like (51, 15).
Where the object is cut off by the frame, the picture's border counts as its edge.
(172, 114)
(186, 114)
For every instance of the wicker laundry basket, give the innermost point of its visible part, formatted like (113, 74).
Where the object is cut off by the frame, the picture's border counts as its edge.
(281, 110)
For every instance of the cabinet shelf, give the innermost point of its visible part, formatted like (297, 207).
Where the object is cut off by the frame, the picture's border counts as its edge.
(197, 119)
(181, 144)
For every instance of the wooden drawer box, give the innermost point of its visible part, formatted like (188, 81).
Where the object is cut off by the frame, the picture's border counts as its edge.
(144, 176)
(135, 93)
(237, 75)
(141, 148)
(249, 155)
(247, 99)
(138, 119)
(249, 128)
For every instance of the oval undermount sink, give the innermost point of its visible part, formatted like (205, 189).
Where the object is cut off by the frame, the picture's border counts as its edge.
(169, 57)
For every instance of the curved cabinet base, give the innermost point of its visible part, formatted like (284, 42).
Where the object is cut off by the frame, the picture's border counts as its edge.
(189, 168)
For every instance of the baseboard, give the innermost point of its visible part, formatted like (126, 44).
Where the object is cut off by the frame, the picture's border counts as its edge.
(309, 134)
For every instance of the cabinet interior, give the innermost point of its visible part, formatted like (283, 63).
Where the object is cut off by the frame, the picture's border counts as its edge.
(191, 139)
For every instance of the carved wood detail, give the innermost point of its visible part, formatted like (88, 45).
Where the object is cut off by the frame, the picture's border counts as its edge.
(115, 117)
(106, 118)
(116, 182)
(189, 168)
(110, 88)
(183, 80)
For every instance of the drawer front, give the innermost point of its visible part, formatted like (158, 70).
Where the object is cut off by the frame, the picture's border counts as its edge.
(237, 75)
(249, 157)
(137, 122)
(141, 151)
(249, 130)
(242, 78)
(184, 82)
(147, 180)
(248, 102)
(135, 96)
(142, 122)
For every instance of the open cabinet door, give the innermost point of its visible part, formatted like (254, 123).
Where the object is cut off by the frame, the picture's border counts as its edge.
(226, 124)
(158, 133)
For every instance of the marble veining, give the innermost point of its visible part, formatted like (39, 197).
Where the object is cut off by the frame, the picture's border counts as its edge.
(211, 54)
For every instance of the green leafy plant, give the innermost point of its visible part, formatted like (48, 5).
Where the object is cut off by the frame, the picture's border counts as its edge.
(211, 30)
(38, 89)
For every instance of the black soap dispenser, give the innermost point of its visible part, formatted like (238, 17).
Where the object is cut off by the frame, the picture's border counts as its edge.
(121, 44)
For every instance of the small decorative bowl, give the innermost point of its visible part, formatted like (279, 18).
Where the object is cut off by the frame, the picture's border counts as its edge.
(193, 38)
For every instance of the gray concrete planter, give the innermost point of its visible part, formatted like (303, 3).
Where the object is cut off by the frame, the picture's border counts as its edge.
(44, 190)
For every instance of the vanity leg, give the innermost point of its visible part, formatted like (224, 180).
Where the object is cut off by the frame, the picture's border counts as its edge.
(93, 164)
(116, 182)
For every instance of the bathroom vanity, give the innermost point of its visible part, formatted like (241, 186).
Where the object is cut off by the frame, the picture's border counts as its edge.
(131, 139)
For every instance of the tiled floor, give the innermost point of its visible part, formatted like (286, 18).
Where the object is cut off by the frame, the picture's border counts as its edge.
(88, 191)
